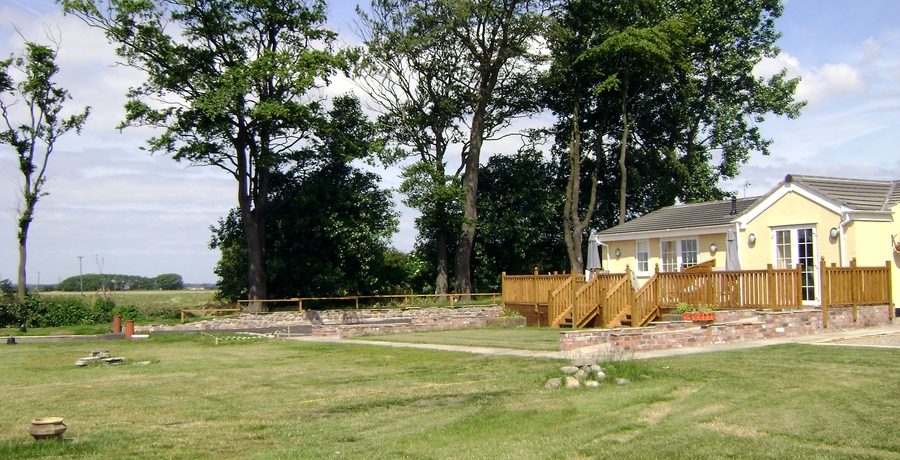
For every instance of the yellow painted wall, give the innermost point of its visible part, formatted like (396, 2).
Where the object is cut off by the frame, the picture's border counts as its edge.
(791, 210)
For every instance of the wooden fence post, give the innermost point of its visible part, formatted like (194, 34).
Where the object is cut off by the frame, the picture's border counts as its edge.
(798, 286)
(770, 278)
(502, 290)
(826, 291)
(635, 311)
(890, 290)
(855, 280)
(534, 281)
(710, 298)
(572, 286)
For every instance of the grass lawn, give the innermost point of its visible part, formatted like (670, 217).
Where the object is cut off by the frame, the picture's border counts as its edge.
(294, 400)
(523, 338)
(149, 299)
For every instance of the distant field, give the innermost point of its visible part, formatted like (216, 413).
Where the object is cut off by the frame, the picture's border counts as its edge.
(150, 299)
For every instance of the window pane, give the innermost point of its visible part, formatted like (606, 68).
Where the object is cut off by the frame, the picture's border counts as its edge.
(688, 252)
(643, 256)
(783, 256)
(669, 256)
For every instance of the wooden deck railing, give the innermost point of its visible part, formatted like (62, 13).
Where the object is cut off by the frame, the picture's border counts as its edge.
(743, 289)
(559, 303)
(531, 289)
(590, 297)
(854, 286)
(612, 296)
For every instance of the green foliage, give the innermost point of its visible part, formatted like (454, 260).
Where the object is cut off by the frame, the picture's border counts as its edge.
(34, 122)
(684, 307)
(118, 282)
(330, 225)
(236, 90)
(128, 312)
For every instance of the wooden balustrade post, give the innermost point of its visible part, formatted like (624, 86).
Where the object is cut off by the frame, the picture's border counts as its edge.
(826, 291)
(656, 288)
(572, 297)
(502, 290)
(770, 278)
(635, 311)
(890, 291)
(710, 298)
(854, 289)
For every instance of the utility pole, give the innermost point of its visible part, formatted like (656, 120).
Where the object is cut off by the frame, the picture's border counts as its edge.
(80, 274)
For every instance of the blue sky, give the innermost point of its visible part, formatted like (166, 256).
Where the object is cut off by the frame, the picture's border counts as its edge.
(132, 213)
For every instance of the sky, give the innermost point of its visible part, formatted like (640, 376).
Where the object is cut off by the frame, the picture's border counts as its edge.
(128, 212)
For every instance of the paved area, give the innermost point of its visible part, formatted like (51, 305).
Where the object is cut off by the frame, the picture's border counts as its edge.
(885, 336)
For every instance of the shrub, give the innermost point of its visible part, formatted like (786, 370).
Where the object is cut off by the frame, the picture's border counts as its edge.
(129, 312)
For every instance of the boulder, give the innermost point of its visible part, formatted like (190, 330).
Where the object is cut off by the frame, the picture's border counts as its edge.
(568, 370)
(553, 383)
(572, 382)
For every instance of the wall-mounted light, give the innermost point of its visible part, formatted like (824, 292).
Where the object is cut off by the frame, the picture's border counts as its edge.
(618, 252)
(752, 238)
(713, 248)
(833, 232)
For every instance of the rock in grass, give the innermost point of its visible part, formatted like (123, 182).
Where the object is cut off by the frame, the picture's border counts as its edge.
(553, 383)
(595, 368)
(81, 362)
(581, 374)
(622, 381)
(601, 376)
(591, 383)
(572, 382)
(568, 370)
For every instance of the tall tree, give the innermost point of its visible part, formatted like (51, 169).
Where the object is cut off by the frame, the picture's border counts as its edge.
(330, 224)
(421, 85)
(680, 77)
(500, 39)
(35, 136)
(235, 90)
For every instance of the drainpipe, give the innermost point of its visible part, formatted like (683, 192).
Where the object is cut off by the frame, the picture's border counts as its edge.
(845, 219)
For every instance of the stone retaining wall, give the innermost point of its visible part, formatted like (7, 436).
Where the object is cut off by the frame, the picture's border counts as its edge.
(728, 327)
(347, 322)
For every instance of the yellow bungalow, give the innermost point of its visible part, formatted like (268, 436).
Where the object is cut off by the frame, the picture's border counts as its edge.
(798, 222)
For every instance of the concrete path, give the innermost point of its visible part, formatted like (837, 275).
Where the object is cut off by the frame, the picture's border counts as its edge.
(602, 351)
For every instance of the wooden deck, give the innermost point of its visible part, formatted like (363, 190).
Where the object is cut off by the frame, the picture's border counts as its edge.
(613, 300)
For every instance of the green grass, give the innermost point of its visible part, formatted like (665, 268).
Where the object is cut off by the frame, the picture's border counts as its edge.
(90, 329)
(294, 400)
(146, 300)
(523, 338)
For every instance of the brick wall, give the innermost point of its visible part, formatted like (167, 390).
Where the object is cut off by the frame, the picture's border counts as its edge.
(348, 322)
(729, 327)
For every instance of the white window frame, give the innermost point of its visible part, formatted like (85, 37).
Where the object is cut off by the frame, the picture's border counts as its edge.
(637, 257)
(679, 253)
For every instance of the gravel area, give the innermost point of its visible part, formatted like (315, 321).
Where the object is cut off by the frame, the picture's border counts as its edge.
(880, 340)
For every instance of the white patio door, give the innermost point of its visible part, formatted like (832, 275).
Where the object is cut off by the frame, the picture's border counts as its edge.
(798, 246)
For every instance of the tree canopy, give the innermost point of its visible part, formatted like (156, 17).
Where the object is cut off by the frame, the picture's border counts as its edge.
(234, 89)
(33, 130)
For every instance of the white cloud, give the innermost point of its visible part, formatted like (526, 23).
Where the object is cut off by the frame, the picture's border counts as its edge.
(817, 85)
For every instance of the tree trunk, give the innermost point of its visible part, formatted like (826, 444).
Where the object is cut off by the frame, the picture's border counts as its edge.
(253, 195)
(470, 210)
(23, 236)
(623, 185)
(573, 189)
(441, 284)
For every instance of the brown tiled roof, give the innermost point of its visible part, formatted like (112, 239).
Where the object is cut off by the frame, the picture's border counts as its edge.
(709, 214)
